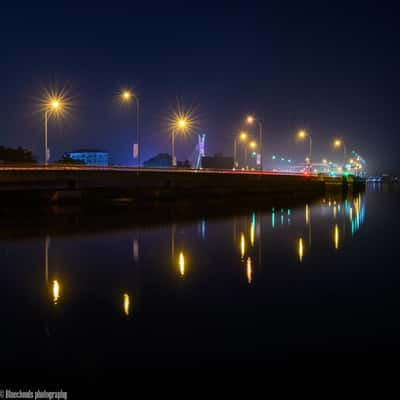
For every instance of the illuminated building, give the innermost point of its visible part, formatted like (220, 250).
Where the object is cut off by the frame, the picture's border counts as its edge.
(90, 157)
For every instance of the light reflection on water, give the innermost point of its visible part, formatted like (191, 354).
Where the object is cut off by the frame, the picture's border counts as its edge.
(204, 265)
(253, 229)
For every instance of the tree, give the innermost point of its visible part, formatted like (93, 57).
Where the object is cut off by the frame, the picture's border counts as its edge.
(18, 155)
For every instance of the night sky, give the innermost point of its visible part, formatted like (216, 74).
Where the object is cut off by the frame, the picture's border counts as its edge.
(332, 70)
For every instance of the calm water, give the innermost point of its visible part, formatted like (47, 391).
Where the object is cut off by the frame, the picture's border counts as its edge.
(252, 288)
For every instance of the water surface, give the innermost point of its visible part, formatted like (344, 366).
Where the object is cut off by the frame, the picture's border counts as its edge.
(252, 287)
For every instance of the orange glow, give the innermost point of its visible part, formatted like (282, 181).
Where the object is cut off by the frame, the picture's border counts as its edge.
(302, 134)
(300, 249)
(56, 291)
(253, 144)
(250, 119)
(181, 263)
(243, 136)
(337, 143)
(126, 95)
(336, 236)
(242, 245)
(126, 304)
(249, 270)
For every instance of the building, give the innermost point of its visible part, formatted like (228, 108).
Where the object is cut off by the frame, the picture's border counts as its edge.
(218, 161)
(90, 157)
(160, 160)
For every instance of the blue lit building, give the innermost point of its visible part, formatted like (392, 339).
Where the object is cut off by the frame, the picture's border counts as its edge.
(90, 157)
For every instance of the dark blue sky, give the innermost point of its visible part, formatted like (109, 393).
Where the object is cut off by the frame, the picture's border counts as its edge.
(330, 69)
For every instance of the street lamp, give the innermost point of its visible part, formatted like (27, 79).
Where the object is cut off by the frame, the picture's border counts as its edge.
(181, 124)
(243, 136)
(250, 120)
(54, 106)
(126, 97)
(302, 135)
(340, 143)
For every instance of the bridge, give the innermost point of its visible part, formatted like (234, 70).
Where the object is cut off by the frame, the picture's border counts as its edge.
(64, 182)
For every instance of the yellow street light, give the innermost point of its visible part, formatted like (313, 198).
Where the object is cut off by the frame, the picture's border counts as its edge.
(243, 136)
(54, 105)
(126, 96)
(250, 119)
(324, 161)
(340, 143)
(183, 122)
(337, 143)
(253, 144)
(302, 135)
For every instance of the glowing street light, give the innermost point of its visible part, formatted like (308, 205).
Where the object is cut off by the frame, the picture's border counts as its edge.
(253, 145)
(126, 97)
(324, 161)
(181, 123)
(251, 120)
(302, 135)
(53, 106)
(242, 136)
(337, 143)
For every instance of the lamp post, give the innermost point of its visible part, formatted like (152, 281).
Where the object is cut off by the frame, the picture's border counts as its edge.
(180, 124)
(126, 97)
(250, 120)
(340, 143)
(243, 138)
(302, 135)
(54, 105)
